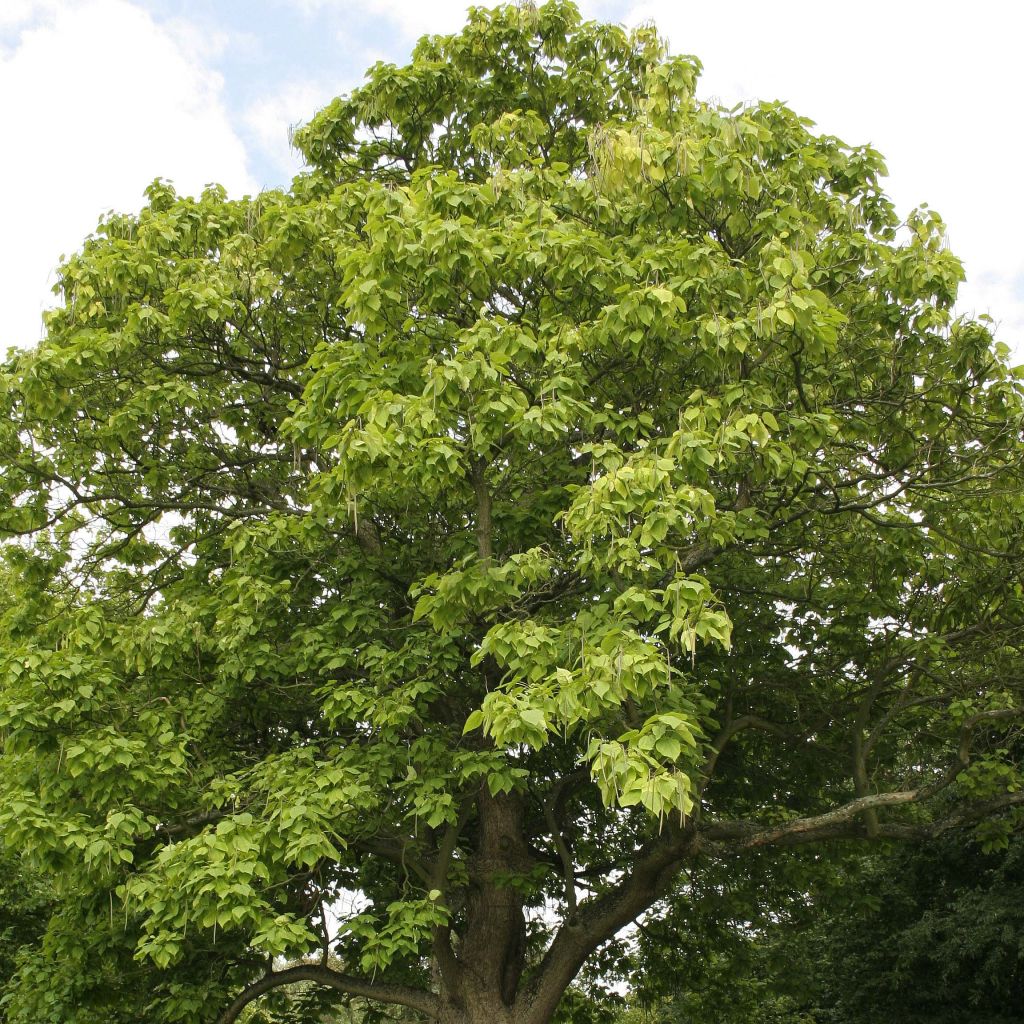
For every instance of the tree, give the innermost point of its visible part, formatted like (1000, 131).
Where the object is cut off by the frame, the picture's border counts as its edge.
(25, 903)
(935, 936)
(566, 486)
(928, 933)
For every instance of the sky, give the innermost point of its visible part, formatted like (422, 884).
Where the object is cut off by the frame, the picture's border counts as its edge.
(99, 97)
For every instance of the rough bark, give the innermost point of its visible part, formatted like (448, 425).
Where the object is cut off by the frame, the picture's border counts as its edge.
(493, 949)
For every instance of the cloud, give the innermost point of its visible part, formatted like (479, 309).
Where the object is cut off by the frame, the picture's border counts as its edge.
(406, 19)
(99, 100)
(16, 12)
(269, 120)
(377, 30)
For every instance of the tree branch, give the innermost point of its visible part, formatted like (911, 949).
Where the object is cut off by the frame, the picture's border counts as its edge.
(743, 835)
(841, 823)
(438, 877)
(599, 918)
(395, 852)
(484, 528)
(425, 1002)
(728, 731)
(564, 855)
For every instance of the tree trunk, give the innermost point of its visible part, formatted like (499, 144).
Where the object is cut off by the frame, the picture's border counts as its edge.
(480, 987)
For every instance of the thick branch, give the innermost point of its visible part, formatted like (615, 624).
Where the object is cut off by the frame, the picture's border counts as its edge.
(564, 855)
(446, 848)
(970, 813)
(843, 823)
(859, 755)
(444, 955)
(742, 835)
(425, 1002)
(598, 919)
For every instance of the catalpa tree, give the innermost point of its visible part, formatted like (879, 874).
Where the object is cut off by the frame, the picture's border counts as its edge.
(567, 487)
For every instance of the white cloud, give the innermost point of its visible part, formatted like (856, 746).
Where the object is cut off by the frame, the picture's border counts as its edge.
(17, 12)
(98, 100)
(933, 86)
(200, 43)
(270, 119)
(409, 19)
(417, 19)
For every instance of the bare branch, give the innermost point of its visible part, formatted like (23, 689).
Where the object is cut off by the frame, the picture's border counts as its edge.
(742, 835)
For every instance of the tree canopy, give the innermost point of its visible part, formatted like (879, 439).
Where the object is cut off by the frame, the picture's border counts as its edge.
(931, 934)
(565, 490)
(927, 933)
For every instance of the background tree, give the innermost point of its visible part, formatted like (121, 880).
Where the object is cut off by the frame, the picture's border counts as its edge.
(25, 903)
(566, 485)
(930, 934)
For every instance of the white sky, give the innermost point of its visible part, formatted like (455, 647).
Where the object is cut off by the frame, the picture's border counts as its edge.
(98, 97)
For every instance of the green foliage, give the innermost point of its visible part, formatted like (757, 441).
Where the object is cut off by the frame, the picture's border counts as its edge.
(558, 442)
(922, 934)
(930, 935)
(25, 905)
(735, 944)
